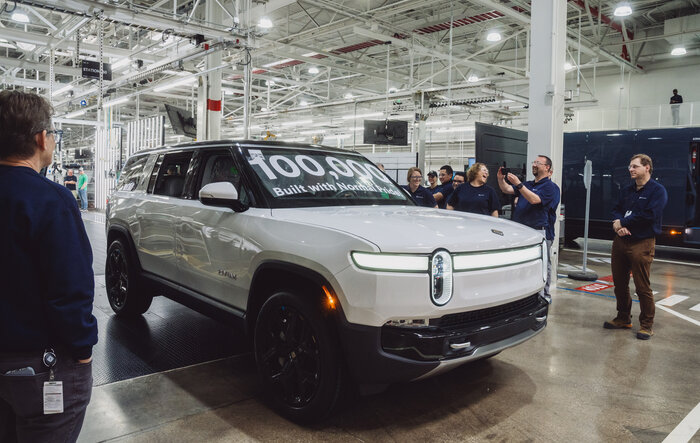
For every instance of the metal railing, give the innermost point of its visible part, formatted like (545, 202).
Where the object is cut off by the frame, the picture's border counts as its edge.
(642, 117)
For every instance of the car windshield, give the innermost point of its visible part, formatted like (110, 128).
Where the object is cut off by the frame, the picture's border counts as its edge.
(295, 177)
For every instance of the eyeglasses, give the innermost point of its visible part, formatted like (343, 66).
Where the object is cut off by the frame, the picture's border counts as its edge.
(57, 134)
(537, 162)
(416, 177)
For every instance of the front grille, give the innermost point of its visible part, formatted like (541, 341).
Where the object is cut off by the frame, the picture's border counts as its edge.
(471, 318)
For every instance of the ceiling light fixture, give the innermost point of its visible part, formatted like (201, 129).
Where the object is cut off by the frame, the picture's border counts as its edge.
(623, 10)
(265, 23)
(494, 36)
(185, 81)
(20, 17)
(473, 79)
(75, 114)
(349, 96)
(313, 70)
(118, 101)
(568, 66)
(303, 103)
(679, 51)
(392, 90)
(26, 46)
(368, 115)
(60, 91)
(120, 63)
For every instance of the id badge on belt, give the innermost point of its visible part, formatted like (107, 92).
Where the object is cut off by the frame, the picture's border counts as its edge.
(53, 390)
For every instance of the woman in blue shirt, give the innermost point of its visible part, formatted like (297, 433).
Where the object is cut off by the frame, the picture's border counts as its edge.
(475, 195)
(420, 195)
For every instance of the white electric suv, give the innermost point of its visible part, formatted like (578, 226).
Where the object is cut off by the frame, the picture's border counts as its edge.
(327, 264)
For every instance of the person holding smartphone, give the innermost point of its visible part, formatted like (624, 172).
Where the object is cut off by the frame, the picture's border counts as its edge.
(47, 329)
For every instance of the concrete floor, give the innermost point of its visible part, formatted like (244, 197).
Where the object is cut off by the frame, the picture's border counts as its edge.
(574, 382)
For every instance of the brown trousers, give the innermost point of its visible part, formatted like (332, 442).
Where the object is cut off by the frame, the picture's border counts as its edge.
(635, 256)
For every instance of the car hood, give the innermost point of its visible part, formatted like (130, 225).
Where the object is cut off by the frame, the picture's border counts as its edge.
(413, 229)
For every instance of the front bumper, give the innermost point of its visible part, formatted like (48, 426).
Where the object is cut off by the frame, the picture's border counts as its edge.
(390, 354)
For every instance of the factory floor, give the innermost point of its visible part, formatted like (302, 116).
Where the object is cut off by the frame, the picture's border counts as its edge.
(176, 376)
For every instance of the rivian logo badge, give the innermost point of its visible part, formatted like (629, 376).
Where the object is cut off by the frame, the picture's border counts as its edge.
(228, 274)
(497, 232)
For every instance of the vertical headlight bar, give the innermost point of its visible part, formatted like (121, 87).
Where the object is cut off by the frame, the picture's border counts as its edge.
(545, 260)
(441, 277)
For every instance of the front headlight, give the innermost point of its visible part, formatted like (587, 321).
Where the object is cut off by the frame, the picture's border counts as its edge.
(390, 262)
(496, 259)
(545, 260)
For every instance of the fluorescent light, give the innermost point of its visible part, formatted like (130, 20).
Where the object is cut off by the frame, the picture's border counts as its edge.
(303, 103)
(493, 259)
(265, 23)
(20, 17)
(473, 79)
(62, 90)
(349, 96)
(390, 262)
(123, 62)
(118, 101)
(438, 122)
(280, 62)
(296, 123)
(678, 51)
(493, 36)
(313, 70)
(184, 81)
(368, 115)
(26, 46)
(568, 66)
(456, 129)
(75, 114)
(623, 10)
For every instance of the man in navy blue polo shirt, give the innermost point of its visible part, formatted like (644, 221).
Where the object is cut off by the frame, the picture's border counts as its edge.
(637, 221)
(445, 189)
(419, 194)
(535, 198)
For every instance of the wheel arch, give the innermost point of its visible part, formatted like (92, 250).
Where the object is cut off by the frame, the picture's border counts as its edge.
(115, 232)
(276, 275)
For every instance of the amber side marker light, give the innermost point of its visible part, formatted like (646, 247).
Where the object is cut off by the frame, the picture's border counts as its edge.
(674, 232)
(330, 299)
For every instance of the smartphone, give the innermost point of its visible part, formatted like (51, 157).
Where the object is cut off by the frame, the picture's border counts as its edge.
(21, 372)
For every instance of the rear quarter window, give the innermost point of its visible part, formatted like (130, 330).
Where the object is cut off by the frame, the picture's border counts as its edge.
(132, 173)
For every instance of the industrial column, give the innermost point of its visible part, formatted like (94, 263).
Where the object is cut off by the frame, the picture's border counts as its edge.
(209, 92)
(547, 84)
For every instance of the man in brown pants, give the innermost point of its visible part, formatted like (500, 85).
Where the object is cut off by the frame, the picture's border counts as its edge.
(637, 220)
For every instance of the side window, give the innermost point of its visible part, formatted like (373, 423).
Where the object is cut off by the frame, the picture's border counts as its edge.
(132, 173)
(171, 174)
(219, 166)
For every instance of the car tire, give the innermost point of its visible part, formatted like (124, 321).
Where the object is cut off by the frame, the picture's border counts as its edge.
(297, 354)
(125, 291)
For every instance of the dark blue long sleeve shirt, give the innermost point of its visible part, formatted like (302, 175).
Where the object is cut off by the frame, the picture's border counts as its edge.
(640, 210)
(45, 267)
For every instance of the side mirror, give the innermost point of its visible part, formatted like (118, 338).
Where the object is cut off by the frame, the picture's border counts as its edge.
(221, 194)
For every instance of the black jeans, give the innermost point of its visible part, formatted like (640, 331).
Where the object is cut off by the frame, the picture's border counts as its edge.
(22, 416)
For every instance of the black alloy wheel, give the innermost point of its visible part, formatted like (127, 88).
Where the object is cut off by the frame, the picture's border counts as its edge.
(297, 356)
(124, 290)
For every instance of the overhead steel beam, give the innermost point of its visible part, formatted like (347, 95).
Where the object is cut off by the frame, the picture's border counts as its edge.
(42, 67)
(145, 18)
(587, 48)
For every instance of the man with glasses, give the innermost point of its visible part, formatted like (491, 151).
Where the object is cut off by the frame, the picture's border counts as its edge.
(47, 329)
(637, 221)
(535, 198)
(419, 194)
